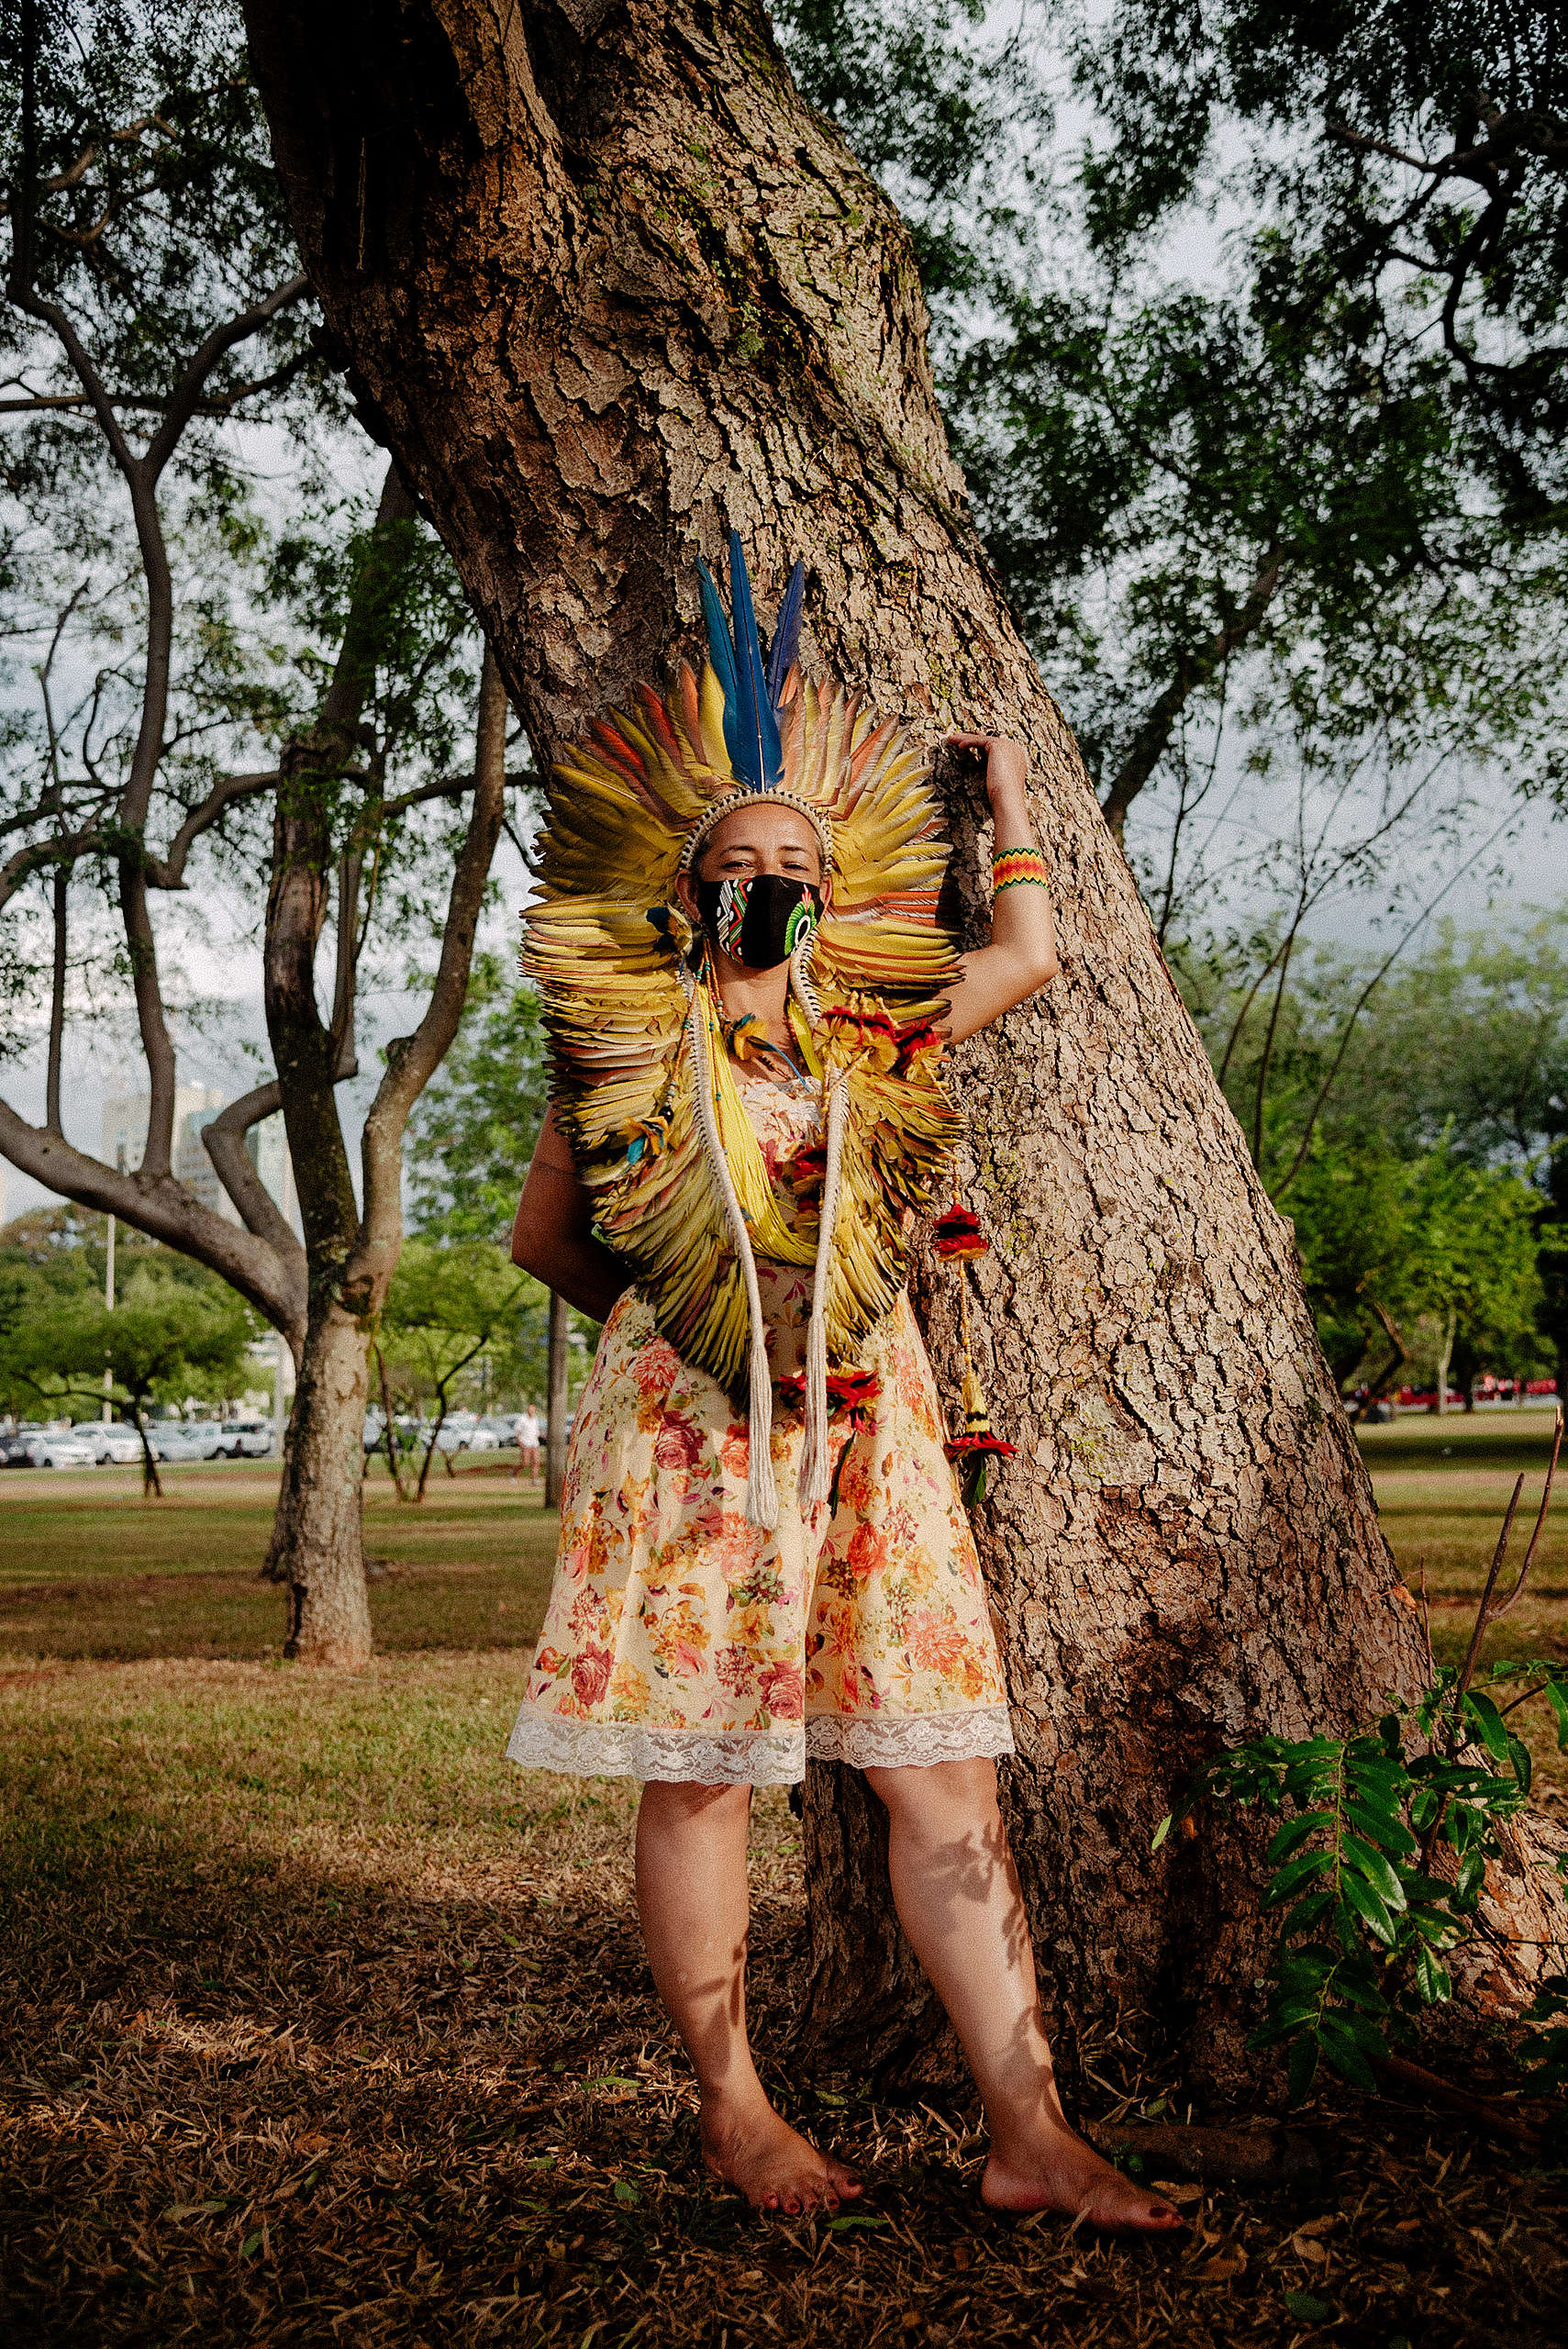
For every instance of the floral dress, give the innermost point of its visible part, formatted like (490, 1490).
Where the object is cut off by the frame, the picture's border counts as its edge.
(681, 1642)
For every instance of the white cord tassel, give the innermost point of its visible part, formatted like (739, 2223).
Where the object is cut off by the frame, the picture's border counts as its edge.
(815, 1476)
(762, 1494)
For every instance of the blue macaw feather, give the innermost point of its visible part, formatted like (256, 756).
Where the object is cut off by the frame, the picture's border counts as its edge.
(720, 651)
(757, 758)
(786, 635)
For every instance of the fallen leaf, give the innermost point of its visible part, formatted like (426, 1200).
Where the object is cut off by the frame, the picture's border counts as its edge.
(1321, 2225)
(194, 2209)
(1305, 2248)
(1307, 2305)
(1176, 2191)
(1222, 2267)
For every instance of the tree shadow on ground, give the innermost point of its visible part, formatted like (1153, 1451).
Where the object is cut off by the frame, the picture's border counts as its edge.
(263, 2096)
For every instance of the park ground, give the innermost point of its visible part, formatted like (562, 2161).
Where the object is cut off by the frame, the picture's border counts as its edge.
(324, 2025)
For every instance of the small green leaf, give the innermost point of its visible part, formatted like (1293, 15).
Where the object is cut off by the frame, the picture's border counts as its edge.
(859, 2219)
(1297, 1872)
(1382, 1828)
(1307, 2305)
(1371, 1864)
(1340, 2049)
(625, 2192)
(251, 2245)
(1489, 1723)
(1432, 1980)
(1519, 1755)
(1295, 1832)
(1367, 1905)
(1305, 1914)
(1161, 1831)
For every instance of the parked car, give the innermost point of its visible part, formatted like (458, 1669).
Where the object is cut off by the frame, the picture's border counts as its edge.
(463, 1431)
(63, 1448)
(176, 1440)
(111, 1441)
(247, 1439)
(406, 1432)
(15, 1448)
(503, 1426)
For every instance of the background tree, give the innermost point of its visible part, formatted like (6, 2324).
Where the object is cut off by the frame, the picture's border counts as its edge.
(152, 299)
(669, 299)
(163, 1339)
(1251, 532)
(447, 1306)
(475, 1127)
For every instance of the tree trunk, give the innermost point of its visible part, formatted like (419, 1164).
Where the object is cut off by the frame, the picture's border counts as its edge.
(317, 1545)
(1445, 1358)
(556, 1401)
(605, 285)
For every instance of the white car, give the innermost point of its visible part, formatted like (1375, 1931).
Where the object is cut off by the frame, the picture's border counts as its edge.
(463, 1432)
(176, 1440)
(65, 1449)
(244, 1440)
(110, 1440)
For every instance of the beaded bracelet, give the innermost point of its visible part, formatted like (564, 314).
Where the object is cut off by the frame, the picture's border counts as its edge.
(1017, 865)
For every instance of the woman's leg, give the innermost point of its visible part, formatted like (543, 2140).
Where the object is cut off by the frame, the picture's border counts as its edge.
(694, 1899)
(958, 1899)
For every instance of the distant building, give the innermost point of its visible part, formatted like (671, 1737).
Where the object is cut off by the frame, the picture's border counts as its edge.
(195, 1105)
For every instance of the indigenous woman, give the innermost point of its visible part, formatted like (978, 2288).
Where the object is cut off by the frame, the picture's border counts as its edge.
(764, 1554)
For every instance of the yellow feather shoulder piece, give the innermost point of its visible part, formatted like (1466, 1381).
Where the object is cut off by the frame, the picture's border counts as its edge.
(609, 953)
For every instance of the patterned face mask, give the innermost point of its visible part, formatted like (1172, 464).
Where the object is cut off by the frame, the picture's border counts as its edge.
(759, 920)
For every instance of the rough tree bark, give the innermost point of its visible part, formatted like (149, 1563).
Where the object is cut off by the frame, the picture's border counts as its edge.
(606, 286)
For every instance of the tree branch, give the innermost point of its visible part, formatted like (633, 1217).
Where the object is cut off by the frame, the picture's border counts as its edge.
(167, 871)
(411, 1061)
(182, 400)
(163, 1208)
(1148, 743)
(57, 1002)
(224, 1140)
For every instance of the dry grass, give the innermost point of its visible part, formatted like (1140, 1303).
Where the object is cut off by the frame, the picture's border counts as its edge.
(88, 1568)
(324, 2025)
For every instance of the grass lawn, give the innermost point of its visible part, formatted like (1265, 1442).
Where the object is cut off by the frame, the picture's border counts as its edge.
(322, 2024)
(88, 1568)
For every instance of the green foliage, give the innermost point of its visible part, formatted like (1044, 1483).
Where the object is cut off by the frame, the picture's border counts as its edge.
(475, 1126)
(1250, 499)
(1369, 1923)
(1407, 1124)
(1413, 157)
(165, 1339)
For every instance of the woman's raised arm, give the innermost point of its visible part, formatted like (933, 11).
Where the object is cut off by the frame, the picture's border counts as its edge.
(552, 1234)
(1021, 956)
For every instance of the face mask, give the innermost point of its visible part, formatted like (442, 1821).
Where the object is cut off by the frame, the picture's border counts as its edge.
(761, 918)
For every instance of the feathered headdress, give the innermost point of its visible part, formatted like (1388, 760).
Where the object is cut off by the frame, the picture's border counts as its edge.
(640, 1079)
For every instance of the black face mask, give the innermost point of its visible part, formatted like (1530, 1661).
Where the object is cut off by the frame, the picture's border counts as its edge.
(761, 918)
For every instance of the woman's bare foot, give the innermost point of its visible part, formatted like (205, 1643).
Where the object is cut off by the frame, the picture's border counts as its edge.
(1060, 2172)
(756, 2150)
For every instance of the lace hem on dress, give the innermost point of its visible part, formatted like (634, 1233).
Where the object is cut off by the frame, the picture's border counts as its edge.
(543, 1740)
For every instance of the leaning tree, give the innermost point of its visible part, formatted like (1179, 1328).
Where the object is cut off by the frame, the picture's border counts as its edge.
(605, 285)
(151, 301)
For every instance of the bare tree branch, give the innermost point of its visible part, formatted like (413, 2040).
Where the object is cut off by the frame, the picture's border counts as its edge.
(167, 871)
(224, 1140)
(57, 1002)
(411, 1061)
(1148, 744)
(166, 1211)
